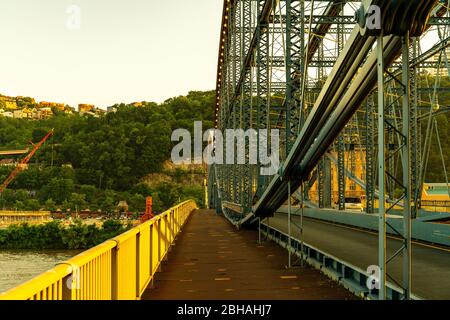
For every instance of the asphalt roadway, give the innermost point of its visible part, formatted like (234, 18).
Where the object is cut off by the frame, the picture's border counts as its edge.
(430, 265)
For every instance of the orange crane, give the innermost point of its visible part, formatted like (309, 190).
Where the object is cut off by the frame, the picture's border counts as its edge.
(23, 162)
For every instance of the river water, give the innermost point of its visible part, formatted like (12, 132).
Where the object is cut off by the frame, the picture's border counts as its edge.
(17, 267)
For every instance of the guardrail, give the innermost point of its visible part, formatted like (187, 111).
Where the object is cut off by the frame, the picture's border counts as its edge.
(350, 276)
(118, 269)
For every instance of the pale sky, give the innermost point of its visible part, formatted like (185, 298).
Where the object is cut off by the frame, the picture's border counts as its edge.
(123, 51)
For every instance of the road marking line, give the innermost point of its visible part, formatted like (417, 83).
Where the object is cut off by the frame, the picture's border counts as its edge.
(376, 234)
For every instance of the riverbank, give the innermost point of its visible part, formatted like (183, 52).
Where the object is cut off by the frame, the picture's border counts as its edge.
(57, 235)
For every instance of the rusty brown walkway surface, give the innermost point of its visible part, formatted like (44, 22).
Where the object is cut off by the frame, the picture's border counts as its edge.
(211, 260)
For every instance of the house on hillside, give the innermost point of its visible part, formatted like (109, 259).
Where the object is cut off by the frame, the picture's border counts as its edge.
(18, 114)
(86, 108)
(7, 114)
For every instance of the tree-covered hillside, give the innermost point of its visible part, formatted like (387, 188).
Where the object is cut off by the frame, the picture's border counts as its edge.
(96, 162)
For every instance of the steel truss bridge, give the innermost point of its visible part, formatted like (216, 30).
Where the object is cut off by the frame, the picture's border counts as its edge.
(338, 88)
(362, 98)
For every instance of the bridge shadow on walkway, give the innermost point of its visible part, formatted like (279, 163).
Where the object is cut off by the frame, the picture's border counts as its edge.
(211, 260)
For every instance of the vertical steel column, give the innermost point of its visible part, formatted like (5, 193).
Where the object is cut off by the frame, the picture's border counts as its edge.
(327, 183)
(295, 64)
(341, 139)
(302, 214)
(406, 159)
(226, 112)
(370, 172)
(246, 102)
(321, 182)
(381, 172)
(341, 171)
(415, 136)
(227, 71)
(289, 225)
(236, 169)
(322, 166)
(262, 79)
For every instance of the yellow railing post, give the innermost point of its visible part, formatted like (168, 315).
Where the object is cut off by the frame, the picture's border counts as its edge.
(118, 269)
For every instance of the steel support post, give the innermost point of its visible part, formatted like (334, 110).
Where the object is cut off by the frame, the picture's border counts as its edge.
(415, 132)
(246, 103)
(341, 171)
(327, 183)
(262, 91)
(341, 139)
(289, 226)
(302, 213)
(406, 159)
(321, 182)
(381, 173)
(295, 64)
(370, 172)
(236, 170)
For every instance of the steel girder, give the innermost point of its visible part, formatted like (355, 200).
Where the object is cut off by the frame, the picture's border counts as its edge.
(260, 75)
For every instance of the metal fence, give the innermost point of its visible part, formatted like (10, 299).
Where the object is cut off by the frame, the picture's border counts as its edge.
(118, 269)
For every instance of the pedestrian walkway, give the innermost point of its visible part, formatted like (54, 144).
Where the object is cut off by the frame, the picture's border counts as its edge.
(211, 260)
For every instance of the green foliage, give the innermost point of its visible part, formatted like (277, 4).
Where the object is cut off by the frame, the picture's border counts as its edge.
(96, 162)
(54, 235)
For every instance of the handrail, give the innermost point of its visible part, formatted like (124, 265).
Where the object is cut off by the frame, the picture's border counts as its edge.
(118, 269)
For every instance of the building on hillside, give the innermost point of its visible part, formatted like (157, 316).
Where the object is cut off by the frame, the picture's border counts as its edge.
(112, 109)
(45, 113)
(100, 112)
(7, 114)
(69, 110)
(85, 108)
(138, 104)
(18, 114)
(46, 104)
(27, 113)
(9, 102)
(32, 100)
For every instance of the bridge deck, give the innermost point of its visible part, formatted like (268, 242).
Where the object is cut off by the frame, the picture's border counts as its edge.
(430, 266)
(211, 260)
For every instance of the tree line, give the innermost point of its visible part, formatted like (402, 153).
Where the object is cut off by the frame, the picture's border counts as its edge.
(96, 162)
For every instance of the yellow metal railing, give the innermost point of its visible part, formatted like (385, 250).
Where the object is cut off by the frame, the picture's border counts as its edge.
(118, 269)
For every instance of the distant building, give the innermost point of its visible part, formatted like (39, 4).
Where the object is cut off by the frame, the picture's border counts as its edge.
(45, 113)
(22, 98)
(111, 109)
(8, 114)
(45, 104)
(19, 217)
(27, 113)
(436, 197)
(18, 114)
(100, 112)
(69, 110)
(85, 108)
(7, 162)
(138, 104)
(9, 102)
